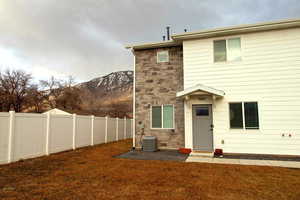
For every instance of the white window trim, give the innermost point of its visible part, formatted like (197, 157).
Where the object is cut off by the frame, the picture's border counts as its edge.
(157, 60)
(226, 39)
(162, 117)
(243, 115)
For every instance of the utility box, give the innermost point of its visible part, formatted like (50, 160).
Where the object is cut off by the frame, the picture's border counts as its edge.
(149, 143)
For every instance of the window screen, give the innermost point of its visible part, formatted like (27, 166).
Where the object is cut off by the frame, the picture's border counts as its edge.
(251, 115)
(234, 49)
(236, 115)
(168, 116)
(220, 50)
(156, 117)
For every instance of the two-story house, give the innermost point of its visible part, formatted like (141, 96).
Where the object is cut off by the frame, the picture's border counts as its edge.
(234, 88)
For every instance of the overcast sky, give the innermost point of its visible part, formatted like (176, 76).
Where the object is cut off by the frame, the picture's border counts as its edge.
(86, 38)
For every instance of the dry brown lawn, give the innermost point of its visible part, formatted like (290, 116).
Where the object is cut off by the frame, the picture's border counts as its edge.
(92, 173)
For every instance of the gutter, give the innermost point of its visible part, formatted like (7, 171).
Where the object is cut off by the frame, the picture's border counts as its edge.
(294, 23)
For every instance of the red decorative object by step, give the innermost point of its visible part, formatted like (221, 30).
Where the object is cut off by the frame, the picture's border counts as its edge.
(218, 152)
(185, 150)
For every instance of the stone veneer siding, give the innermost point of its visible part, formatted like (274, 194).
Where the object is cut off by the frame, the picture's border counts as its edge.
(157, 84)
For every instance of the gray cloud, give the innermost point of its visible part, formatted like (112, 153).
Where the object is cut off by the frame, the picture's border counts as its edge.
(86, 38)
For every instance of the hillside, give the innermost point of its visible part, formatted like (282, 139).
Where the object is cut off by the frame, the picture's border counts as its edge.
(108, 95)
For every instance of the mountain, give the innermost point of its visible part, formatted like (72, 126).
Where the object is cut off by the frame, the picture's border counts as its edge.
(108, 95)
(121, 81)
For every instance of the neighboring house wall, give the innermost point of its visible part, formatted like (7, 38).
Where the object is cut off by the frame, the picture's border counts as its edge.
(269, 73)
(157, 84)
(56, 111)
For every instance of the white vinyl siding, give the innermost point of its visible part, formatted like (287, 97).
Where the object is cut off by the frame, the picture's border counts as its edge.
(269, 73)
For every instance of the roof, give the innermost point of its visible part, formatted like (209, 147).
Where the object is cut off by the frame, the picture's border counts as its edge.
(284, 24)
(169, 43)
(232, 30)
(200, 87)
(57, 111)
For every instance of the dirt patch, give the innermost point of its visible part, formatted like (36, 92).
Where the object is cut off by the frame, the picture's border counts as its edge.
(93, 173)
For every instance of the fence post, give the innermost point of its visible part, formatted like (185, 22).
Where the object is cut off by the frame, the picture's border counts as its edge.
(92, 131)
(10, 135)
(106, 119)
(117, 128)
(74, 131)
(48, 133)
(125, 123)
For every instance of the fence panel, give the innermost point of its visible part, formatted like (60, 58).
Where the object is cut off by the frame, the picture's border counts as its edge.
(111, 129)
(24, 135)
(4, 130)
(99, 130)
(61, 133)
(29, 136)
(128, 128)
(83, 131)
(121, 129)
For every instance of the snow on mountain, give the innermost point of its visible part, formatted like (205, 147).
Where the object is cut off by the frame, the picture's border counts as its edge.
(110, 82)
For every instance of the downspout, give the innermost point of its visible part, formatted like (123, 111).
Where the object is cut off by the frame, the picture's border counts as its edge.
(133, 109)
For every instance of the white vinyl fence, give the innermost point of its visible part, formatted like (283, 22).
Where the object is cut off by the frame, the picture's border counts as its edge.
(24, 135)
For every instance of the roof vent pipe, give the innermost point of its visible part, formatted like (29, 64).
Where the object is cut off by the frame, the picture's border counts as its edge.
(168, 32)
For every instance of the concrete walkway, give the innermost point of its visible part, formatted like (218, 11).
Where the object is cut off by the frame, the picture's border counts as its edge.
(274, 163)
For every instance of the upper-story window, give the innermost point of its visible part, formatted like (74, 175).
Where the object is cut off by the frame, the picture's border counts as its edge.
(227, 50)
(162, 56)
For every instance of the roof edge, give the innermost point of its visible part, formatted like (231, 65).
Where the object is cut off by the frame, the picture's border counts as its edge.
(283, 24)
(200, 87)
(153, 45)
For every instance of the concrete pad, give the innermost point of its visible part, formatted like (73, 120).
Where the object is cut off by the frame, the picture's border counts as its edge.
(255, 162)
(199, 159)
(171, 155)
(226, 161)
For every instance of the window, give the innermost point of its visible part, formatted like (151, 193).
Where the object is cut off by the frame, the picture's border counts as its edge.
(220, 51)
(162, 56)
(156, 117)
(244, 115)
(202, 112)
(236, 115)
(227, 50)
(162, 117)
(251, 115)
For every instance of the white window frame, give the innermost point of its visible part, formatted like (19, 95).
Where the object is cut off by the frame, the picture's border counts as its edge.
(158, 61)
(243, 115)
(226, 39)
(162, 116)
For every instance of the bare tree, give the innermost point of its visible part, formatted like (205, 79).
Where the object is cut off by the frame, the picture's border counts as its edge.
(14, 85)
(35, 99)
(69, 98)
(52, 89)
